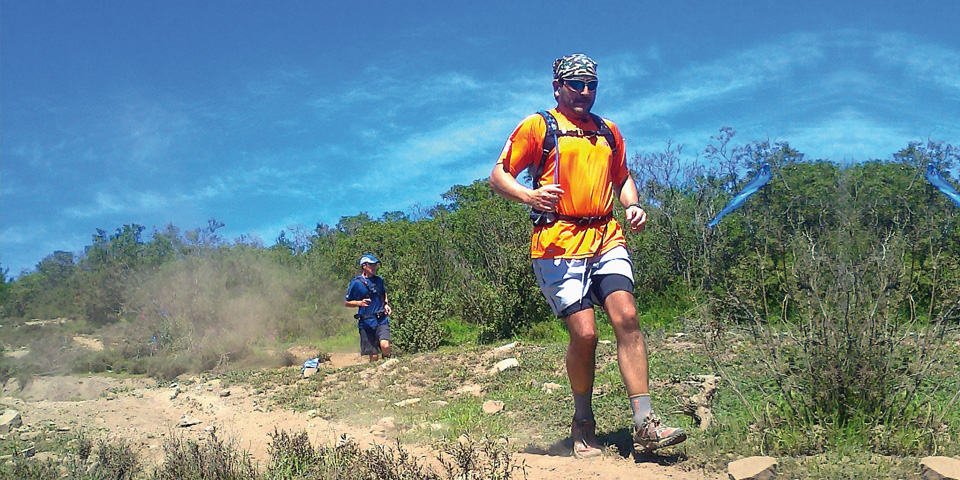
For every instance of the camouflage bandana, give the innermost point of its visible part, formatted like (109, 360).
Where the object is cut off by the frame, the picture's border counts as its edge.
(577, 65)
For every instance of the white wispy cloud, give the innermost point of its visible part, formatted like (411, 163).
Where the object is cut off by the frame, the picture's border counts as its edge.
(739, 72)
(127, 203)
(21, 234)
(843, 95)
(848, 135)
(925, 61)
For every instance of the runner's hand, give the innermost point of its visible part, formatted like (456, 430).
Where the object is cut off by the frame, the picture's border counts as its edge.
(365, 302)
(387, 309)
(546, 197)
(637, 219)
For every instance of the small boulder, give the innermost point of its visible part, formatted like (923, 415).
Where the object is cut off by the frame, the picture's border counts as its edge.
(10, 420)
(492, 406)
(187, 421)
(470, 389)
(388, 363)
(940, 468)
(505, 348)
(503, 365)
(407, 402)
(752, 468)
(550, 387)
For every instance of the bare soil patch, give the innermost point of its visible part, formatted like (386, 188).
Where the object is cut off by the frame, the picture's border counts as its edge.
(89, 343)
(146, 413)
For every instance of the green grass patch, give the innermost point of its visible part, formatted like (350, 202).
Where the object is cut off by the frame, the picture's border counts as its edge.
(345, 340)
(458, 332)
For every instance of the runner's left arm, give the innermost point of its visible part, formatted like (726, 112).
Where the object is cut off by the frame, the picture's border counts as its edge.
(386, 303)
(630, 199)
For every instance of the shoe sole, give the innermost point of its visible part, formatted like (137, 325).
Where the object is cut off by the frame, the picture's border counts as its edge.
(592, 453)
(648, 446)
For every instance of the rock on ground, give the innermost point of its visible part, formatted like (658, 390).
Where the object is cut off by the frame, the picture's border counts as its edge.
(940, 468)
(752, 468)
(506, 364)
(9, 421)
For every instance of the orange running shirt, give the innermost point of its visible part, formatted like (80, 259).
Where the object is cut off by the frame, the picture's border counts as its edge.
(589, 177)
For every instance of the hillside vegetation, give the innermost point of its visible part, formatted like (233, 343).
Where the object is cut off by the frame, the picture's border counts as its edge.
(841, 284)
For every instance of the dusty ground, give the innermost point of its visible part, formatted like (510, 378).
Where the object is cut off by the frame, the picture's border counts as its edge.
(146, 413)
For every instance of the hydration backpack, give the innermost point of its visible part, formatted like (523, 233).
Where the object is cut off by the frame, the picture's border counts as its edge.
(551, 142)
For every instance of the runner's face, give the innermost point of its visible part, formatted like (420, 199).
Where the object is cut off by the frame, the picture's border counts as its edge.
(370, 268)
(573, 102)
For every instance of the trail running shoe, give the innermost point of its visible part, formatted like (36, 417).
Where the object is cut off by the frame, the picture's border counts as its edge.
(652, 435)
(584, 437)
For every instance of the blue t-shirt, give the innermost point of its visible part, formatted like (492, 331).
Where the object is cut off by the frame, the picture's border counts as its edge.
(373, 289)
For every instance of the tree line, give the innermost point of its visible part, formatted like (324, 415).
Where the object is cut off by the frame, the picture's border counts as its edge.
(466, 259)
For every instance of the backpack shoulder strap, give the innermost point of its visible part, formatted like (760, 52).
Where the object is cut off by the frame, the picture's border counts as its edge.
(549, 143)
(372, 289)
(605, 131)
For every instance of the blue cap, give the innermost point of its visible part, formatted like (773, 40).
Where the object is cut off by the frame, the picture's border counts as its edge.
(368, 258)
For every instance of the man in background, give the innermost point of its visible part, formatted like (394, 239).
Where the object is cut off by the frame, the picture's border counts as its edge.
(368, 294)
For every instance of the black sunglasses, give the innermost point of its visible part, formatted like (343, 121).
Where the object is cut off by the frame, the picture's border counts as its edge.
(579, 84)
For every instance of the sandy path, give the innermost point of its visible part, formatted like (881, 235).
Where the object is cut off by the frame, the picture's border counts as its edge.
(146, 414)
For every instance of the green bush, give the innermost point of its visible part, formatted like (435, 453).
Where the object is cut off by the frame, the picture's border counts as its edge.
(416, 322)
(835, 310)
(210, 459)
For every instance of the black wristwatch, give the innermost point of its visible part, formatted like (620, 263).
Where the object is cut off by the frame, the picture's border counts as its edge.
(635, 204)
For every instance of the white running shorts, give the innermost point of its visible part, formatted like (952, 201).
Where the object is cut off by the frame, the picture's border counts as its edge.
(565, 282)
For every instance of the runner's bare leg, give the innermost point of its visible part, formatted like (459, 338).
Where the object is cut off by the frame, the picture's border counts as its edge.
(631, 348)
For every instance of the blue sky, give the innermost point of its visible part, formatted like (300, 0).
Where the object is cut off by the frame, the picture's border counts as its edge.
(271, 114)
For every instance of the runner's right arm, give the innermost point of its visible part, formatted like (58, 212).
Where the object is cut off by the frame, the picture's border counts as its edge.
(351, 299)
(544, 198)
(522, 148)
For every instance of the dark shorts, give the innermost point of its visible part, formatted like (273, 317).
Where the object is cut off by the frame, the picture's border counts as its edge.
(601, 286)
(370, 338)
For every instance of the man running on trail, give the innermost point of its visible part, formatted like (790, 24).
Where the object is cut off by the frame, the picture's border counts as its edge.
(368, 293)
(579, 251)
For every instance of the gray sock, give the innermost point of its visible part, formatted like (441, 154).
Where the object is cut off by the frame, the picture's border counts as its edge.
(641, 408)
(583, 406)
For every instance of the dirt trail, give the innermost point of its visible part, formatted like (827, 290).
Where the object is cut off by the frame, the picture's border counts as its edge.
(146, 414)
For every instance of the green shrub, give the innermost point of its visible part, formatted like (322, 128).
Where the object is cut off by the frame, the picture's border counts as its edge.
(292, 456)
(211, 458)
(416, 322)
(117, 459)
(835, 307)
(547, 331)
(455, 331)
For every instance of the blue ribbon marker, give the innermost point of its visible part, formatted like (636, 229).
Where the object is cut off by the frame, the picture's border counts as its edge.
(760, 179)
(937, 180)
